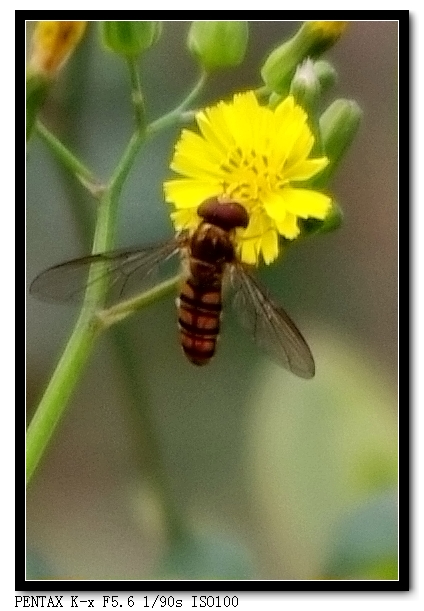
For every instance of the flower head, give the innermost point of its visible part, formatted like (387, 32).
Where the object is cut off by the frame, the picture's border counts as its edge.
(254, 155)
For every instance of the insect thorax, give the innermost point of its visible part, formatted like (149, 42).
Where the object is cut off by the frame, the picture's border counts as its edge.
(212, 245)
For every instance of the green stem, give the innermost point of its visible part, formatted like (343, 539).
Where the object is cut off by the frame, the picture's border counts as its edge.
(174, 116)
(122, 310)
(58, 392)
(124, 165)
(37, 88)
(69, 161)
(82, 339)
(137, 95)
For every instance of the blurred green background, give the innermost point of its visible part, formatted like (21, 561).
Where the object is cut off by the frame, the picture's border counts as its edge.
(276, 477)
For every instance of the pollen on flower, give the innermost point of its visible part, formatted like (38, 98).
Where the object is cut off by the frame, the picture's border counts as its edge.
(253, 155)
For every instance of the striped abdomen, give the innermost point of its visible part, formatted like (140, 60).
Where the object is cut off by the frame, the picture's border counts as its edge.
(210, 249)
(198, 318)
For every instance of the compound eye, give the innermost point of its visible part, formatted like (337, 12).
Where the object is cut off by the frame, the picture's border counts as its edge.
(225, 214)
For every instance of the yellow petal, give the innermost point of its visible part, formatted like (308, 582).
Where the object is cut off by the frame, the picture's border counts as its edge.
(288, 227)
(199, 168)
(244, 116)
(284, 108)
(192, 143)
(305, 169)
(269, 246)
(306, 203)
(292, 139)
(196, 158)
(301, 147)
(219, 119)
(259, 223)
(186, 218)
(248, 251)
(185, 193)
(274, 205)
(249, 240)
(220, 138)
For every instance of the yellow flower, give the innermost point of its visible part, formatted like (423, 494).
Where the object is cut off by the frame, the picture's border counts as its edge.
(253, 155)
(53, 42)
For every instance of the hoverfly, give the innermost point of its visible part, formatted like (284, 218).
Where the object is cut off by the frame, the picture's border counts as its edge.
(210, 255)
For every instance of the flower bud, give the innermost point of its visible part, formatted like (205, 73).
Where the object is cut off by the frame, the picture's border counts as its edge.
(338, 125)
(52, 43)
(330, 222)
(322, 34)
(311, 40)
(130, 38)
(218, 44)
(305, 86)
(334, 218)
(325, 73)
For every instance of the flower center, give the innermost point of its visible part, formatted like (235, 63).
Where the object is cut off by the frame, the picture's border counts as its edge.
(248, 176)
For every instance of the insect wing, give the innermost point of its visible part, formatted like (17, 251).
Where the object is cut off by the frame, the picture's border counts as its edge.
(124, 269)
(270, 326)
